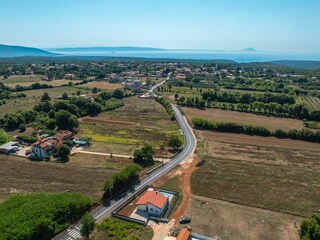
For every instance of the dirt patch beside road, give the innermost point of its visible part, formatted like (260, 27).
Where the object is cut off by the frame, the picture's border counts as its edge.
(185, 178)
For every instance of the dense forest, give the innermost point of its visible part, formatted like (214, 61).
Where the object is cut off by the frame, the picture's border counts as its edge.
(40, 216)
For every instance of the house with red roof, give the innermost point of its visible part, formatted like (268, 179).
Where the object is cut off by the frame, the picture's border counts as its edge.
(184, 234)
(153, 202)
(43, 148)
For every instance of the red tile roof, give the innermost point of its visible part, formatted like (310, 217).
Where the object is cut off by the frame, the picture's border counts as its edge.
(63, 135)
(184, 234)
(44, 143)
(153, 197)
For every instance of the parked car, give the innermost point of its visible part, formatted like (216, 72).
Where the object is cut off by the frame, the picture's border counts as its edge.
(199, 164)
(185, 220)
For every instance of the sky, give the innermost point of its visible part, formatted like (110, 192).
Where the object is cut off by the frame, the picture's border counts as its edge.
(281, 25)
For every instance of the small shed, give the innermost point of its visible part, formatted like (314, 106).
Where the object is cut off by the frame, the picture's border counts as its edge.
(9, 147)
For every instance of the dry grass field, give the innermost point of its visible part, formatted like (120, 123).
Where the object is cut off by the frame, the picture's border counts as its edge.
(139, 121)
(218, 115)
(98, 161)
(280, 175)
(231, 221)
(33, 97)
(19, 175)
(102, 85)
(28, 80)
(253, 187)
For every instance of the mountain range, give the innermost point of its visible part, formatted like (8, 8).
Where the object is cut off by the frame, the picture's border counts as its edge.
(7, 51)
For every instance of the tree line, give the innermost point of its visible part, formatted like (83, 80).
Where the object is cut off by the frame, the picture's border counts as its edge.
(286, 110)
(166, 104)
(121, 180)
(304, 134)
(246, 98)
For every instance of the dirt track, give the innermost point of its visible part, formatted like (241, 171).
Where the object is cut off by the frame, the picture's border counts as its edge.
(185, 178)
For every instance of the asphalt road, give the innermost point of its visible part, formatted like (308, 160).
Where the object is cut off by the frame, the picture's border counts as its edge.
(105, 210)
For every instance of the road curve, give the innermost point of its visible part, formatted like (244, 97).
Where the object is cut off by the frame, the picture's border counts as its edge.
(105, 210)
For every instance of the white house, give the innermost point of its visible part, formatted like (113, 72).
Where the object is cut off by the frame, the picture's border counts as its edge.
(153, 202)
(43, 149)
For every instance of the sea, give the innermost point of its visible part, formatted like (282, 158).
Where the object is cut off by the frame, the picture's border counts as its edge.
(238, 56)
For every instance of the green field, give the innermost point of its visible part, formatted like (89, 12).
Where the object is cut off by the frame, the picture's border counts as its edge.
(124, 129)
(312, 103)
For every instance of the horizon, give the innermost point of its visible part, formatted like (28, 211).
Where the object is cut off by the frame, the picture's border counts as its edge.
(189, 25)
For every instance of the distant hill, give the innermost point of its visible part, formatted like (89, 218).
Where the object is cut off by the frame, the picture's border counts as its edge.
(310, 65)
(250, 49)
(104, 49)
(7, 51)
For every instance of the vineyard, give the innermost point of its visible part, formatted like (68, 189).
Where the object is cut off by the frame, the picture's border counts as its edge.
(312, 103)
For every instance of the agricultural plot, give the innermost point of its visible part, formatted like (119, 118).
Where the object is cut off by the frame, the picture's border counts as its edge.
(19, 175)
(99, 161)
(102, 85)
(28, 80)
(282, 176)
(272, 123)
(229, 221)
(312, 103)
(124, 129)
(57, 91)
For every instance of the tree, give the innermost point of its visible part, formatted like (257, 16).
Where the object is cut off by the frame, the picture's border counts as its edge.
(45, 97)
(310, 228)
(175, 142)
(144, 156)
(66, 121)
(63, 151)
(118, 94)
(88, 225)
(65, 96)
(22, 127)
(149, 82)
(4, 137)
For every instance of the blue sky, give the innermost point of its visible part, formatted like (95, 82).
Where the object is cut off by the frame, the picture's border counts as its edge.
(196, 24)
